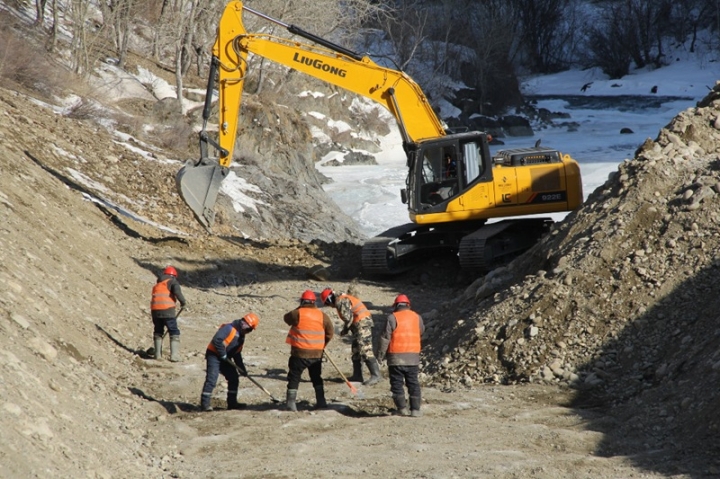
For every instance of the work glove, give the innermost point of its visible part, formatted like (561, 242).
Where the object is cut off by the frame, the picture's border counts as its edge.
(223, 357)
(241, 367)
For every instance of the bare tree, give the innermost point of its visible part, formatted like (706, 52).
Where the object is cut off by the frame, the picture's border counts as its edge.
(607, 43)
(40, 12)
(494, 29)
(404, 23)
(182, 25)
(546, 33)
(55, 26)
(691, 16)
(80, 36)
(120, 16)
(650, 20)
(639, 27)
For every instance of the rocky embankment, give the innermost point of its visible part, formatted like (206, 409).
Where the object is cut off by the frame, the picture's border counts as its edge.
(620, 301)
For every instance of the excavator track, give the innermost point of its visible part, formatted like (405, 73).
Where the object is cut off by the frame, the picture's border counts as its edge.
(498, 243)
(380, 255)
(479, 247)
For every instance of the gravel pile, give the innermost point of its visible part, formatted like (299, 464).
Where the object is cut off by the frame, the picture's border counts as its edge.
(620, 301)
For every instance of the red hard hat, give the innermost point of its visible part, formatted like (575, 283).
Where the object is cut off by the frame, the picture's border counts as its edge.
(171, 271)
(401, 298)
(252, 320)
(308, 296)
(326, 293)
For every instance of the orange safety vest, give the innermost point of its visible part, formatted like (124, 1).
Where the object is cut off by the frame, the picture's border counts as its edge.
(162, 298)
(227, 340)
(406, 337)
(359, 310)
(309, 333)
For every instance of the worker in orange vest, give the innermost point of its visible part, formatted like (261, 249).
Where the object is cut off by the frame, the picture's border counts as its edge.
(400, 342)
(310, 331)
(226, 344)
(165, 294)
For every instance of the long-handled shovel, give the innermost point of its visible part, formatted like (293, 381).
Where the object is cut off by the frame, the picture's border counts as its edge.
(176, 317)
(245, 374)
(353, 389)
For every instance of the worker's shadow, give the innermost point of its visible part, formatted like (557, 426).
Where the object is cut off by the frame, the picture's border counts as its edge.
(276, 374)
(351, 411)
(170, 406)
(308, 406)
(138, 352)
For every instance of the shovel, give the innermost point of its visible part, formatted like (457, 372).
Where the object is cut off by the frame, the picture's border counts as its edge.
(353, 389)
(176, 317)
(244, 373)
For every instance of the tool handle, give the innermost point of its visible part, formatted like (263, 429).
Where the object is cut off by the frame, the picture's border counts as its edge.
(352, 388)
(252, 380)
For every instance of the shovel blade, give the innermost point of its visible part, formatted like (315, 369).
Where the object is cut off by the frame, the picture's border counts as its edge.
(198, 186)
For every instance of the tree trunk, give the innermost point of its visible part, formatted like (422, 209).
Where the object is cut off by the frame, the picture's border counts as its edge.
(40, 12)
(179, 80)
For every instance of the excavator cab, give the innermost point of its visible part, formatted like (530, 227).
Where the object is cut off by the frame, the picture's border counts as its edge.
(442, 169)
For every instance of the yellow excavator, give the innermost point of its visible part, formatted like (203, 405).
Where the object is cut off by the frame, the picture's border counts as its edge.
(454, 185)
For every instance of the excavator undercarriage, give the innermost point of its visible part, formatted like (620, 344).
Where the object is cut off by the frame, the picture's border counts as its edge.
(479, 246)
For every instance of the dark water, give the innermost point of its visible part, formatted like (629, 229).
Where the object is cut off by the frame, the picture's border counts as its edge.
(619, 103)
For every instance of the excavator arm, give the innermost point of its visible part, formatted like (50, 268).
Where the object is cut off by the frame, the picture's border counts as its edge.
(199, 181)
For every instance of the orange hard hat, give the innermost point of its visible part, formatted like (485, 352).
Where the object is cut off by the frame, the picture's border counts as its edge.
(401, 299)
(326, 294)
(308, 296)
(252, 320)
(171, 271)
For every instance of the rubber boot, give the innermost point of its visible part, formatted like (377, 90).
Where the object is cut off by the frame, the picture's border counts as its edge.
(158, 346)
(320, 402)
(374, 368)
(357, 375)
(401, 408)
(174, 348)
(232, 401)
(415, 407)
(205, 402)
(291, 398)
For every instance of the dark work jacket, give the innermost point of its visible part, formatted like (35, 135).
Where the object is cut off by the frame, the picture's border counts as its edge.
(235, 345)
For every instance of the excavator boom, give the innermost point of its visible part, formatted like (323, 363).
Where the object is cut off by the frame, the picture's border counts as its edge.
(198, 182)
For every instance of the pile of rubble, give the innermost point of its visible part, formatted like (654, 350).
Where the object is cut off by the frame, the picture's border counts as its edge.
(620, 301)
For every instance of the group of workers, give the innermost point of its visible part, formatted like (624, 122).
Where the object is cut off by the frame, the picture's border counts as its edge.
(399, 343)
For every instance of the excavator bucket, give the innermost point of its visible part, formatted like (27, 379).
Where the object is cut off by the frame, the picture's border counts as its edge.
(198, 185)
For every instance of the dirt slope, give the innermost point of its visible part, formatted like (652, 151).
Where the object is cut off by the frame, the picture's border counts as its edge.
(604, 333)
